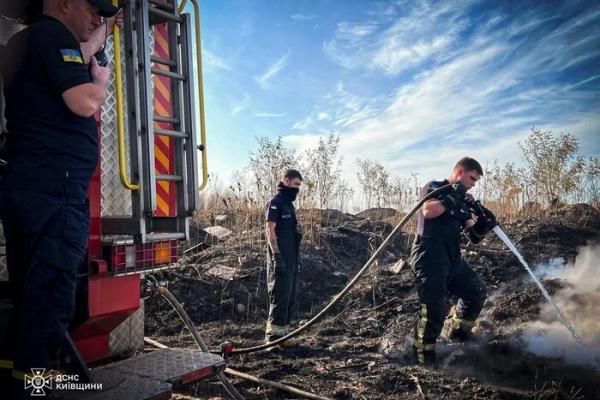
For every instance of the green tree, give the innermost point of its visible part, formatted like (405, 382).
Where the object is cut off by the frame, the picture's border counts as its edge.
(374, 181)
(553, 167)
(323, 170)
(267, 164)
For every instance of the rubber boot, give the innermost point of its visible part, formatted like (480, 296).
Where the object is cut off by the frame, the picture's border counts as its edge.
(424, 357)
(459, 330)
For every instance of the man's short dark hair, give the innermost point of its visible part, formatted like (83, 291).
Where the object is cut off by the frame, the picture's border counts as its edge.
(469, 164)
(291, 174)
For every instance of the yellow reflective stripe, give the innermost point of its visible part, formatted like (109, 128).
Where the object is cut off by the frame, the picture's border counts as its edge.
(425, 347)
(461, 321)
(8, 364)
(18, 375)
(421, 326)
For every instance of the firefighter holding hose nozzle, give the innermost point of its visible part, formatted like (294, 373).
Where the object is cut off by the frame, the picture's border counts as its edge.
(436, 260)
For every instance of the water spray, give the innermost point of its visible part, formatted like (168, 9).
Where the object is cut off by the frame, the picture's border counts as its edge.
(502, 235)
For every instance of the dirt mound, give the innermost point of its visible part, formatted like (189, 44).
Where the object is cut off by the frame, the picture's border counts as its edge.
(327, 217)
(575, 214)
(379, 214)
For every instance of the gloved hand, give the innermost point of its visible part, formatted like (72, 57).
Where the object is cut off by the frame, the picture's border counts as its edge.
(453, 196)
(484, 214)
(490, 218)
(469, 199)
(486, 221)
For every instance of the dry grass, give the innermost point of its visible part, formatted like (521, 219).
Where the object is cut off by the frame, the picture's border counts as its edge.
(242, 214)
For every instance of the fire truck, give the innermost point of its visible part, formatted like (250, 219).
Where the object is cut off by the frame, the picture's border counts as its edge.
(142, 196)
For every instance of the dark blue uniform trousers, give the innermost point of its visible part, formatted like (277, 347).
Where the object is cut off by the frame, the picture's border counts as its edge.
(46, 241)
(439, 270)
(282, 281)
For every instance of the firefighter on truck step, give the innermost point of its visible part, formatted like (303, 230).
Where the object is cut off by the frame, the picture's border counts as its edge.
(51, 94)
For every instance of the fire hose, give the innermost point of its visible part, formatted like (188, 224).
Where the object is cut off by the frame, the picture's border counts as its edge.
(354, 280)
(163, 291)
(338, 297)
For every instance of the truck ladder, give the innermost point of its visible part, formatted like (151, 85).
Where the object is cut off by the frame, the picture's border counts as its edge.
(161, 123)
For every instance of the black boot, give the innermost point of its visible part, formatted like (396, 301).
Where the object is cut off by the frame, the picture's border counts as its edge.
(424, 357)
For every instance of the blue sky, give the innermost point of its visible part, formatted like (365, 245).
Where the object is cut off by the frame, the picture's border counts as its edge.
(414, 85)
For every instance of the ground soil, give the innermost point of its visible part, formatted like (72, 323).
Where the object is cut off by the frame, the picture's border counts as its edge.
(359, 350)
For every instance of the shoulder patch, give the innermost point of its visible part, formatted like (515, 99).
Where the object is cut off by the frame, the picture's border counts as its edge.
(71, 55)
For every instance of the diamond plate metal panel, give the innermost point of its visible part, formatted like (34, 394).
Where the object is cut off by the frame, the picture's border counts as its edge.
(148, 375)
(116, 200)
(129, 335)
(167, 364)
(117, 386)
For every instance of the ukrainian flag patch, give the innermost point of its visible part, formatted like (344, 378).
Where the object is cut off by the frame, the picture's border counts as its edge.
(71, 55)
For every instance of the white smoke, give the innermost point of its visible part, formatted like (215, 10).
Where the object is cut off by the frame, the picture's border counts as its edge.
(580, 301)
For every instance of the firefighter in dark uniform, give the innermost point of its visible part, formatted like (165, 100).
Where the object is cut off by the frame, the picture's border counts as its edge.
(52, 151)
(283, 258)
(437, 263)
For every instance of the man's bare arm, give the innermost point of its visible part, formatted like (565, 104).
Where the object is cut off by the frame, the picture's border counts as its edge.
(433, 209)
(468, 223)
(84, 100)
(95, 42)
(272, 237)
(99, 35)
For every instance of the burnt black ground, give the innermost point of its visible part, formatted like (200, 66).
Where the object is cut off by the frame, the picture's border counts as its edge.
(358, 350)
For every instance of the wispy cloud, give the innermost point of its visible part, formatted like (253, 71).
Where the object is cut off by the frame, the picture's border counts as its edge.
(474, 93)
(211, 59)
(412, 84)
(341, 109)
(264, 79)
(242, 104)
(303, 17)
(269, 115)
(392, 47)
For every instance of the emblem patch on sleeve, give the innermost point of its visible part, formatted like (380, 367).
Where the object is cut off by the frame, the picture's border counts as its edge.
(71, 55)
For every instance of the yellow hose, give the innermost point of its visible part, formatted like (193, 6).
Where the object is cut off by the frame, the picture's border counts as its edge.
(120, 121)
(200, 89)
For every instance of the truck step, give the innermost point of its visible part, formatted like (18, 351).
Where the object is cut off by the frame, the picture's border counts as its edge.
(148, 376)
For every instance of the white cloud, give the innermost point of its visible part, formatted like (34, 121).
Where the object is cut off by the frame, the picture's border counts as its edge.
(269, 115)
(344, 109)
(303, 17)
(211, 59)
(323, 116)
(394, 45)
(242, 104)
(265, 79)
(478, 98)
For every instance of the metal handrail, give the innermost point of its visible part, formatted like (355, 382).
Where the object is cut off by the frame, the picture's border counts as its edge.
(120, 118)
(200, 89)
(119, 91)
